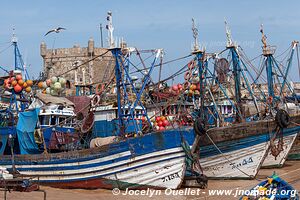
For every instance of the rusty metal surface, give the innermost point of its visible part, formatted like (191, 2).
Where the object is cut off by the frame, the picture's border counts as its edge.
(243, 130)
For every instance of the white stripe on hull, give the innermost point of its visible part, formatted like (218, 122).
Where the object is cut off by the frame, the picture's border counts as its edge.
(168, 174)
(270, 160)
(98, 160)
(241, 163)
(158, 169)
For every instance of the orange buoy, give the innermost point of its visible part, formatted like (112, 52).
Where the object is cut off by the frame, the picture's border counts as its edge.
(14, 83)
(29, 82)
(19, 77)
(28, 89)
(17, 88)
(193, 87)
(40, 85)
(20, 82)
(24, 85)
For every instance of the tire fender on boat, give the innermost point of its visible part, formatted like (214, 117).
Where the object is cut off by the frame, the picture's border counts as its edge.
(282, 118)
(199, 127)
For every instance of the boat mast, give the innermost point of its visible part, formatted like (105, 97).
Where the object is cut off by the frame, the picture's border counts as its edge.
(118, 75)
(268, 52)
(236, 71)
(110, 29)
(19, 63)
(201, 68)
(294, 45)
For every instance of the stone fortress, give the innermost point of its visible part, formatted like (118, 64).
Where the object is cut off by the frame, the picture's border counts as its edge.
(72, 64)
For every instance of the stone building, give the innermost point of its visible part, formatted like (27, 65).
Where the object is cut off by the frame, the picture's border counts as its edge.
(64, 61)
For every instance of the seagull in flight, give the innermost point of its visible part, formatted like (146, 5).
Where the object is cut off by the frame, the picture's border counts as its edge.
(56, 30)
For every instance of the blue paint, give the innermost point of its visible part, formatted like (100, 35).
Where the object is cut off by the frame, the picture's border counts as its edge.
(47, 132)
(138, 146)
(105, 128)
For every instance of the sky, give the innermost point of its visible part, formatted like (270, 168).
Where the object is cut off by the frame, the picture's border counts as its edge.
(147, 25)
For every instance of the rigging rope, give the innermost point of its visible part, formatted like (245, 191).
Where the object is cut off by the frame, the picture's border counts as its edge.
(157, 65)
(5, 48)
(76, 67)
(245, 173)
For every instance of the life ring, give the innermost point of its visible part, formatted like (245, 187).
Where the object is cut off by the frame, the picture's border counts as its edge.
(187, 76)
(282, 118)
(99, 88)
(191, 65)
(95, 100)
(186, 85)
(270, 100)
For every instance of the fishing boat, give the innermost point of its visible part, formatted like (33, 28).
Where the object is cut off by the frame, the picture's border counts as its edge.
(272, 188)
(237, 147)
(143, 159)
(280, 146)
(273, 144)
(55, 110)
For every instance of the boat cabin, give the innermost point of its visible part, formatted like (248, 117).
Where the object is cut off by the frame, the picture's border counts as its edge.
(107, 124)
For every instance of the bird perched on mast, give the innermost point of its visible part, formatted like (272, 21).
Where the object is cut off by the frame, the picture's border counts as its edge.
(56, 30)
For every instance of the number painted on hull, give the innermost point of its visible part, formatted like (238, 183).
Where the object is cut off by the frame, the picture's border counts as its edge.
(170, 177)
(245, 161)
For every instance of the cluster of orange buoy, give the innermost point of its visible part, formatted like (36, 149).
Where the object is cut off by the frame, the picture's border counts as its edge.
(18, 84)
(193, 89)
(176, 88)
(161, 123)
(52, 86)
(189, 89)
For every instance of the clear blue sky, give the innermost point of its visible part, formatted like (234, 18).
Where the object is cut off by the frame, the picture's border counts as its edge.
(147, 24)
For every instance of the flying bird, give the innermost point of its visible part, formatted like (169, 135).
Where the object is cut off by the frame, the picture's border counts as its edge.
(56, 30)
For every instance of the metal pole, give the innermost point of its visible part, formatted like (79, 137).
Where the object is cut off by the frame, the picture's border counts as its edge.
(101, 39)
(15, 52)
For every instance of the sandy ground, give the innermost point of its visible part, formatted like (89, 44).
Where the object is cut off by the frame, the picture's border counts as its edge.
(290, 172)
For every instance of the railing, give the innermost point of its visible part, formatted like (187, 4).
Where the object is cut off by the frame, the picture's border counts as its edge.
(269, 50)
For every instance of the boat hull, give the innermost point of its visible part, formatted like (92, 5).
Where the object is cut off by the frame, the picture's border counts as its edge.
(238, 151)
(295, 151)
(242, 163)
(156, 160)
(272, 162)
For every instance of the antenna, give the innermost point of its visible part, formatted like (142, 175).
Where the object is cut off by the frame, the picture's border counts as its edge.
(110, 28)
(263, 36)
(195, 35)
(101, 37)
(228, 34)
(14, 38)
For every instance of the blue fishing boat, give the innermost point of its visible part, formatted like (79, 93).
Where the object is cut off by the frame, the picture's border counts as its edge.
(138, 160)
(274, 188)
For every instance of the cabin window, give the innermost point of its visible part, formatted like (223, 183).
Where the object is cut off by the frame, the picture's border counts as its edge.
(69, 121)
(61, 120)
(230, 109)
(44, 119)
(53, 120)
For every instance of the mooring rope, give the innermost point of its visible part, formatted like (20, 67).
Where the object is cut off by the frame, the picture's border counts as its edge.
(228, 158)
